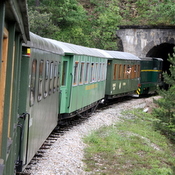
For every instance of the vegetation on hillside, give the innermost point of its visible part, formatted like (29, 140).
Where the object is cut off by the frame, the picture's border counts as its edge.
(130, 147)
(94, 23)
(165, 113)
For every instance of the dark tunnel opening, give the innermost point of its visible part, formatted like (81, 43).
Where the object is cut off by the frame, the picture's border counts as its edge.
(162, 51)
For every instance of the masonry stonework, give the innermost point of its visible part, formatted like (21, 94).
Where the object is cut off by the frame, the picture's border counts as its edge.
(140, 41)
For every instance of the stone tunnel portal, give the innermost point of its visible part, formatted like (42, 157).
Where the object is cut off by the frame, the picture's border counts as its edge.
(162, 51)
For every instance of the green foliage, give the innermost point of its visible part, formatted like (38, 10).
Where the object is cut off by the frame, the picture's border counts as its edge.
(93, 23)
(41, 24)
(166, 112)
(144, 12)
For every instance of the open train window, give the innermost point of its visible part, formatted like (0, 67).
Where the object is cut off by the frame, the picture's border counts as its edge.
(40, 80)
(64, 73)
(87, 72)
(81, 73)
(51, 77)
(46, 84)
(75, 73)
(128, 71)
(33, 82)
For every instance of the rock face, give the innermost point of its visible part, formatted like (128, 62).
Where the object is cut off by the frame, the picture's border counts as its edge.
(66, 155)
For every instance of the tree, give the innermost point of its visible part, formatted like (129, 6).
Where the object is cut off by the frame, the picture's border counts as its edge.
(165, 113)
(41, 24)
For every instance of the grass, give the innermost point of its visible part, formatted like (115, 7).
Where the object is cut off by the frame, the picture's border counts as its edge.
(131, 147)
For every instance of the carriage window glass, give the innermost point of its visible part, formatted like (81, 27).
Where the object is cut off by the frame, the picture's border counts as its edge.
(40, 80)
(75, 73)
(51, 77)
(33, 82)
(58, 77)
(135, 71)
(81, 73)
(103, 73)
(55, 77)
(96, 71)
(105, 69)
(125, 72)
(46, 83)
(138, 71)
(97, 67)
(92, 72)
(64, 73)
(120, 71)
(115, 72)
(87, 72)
(99, 72)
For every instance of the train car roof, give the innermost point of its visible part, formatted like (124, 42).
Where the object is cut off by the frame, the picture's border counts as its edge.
(151, 58)
(16, 11)
(120, 55)
(70, 49)
(41, 43)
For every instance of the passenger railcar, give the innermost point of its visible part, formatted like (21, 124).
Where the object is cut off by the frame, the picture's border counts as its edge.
(83, 79)
(123, 74)
(13, 31)
(39, 96)
(150, 75)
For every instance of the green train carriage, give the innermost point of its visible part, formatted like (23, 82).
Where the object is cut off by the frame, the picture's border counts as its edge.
(123, 74)
(39, 96)
(13, 32)
(83, 79)
(150, 75)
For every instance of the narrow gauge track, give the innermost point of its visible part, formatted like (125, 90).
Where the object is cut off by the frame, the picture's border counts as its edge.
(59, 131)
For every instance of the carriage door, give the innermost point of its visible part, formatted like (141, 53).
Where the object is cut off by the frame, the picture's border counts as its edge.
(3, 70)
(65, 86)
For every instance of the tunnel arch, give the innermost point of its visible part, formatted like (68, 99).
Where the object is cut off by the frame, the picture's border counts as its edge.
(163, 51)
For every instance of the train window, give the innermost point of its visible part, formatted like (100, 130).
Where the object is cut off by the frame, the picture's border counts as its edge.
(33, 82)
(120, 75)
(81, 73)
(46, 84)
(96, 71)
(135, 71)
(92, 72)
(58, 77)
(128, 71)
(51, 77)
(125, 73)
(75, 73)
(99, 71)
(40, 80)
(103, 73)
(138, 71)
(87, 72)
(115, 72)
(55, 77)
(64, 73)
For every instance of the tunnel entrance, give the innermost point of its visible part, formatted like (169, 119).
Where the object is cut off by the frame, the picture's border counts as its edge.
(162, 51)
